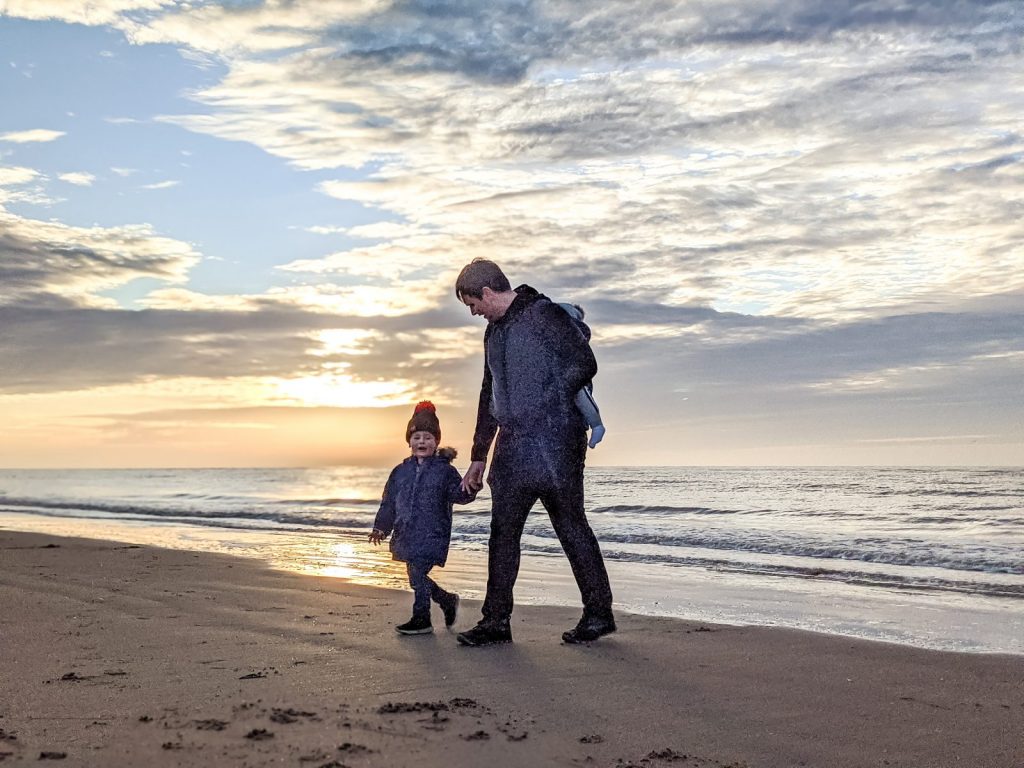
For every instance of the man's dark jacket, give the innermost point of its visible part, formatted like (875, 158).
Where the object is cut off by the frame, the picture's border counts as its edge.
(536, 359)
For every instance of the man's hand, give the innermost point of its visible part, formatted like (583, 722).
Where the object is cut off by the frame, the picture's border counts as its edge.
(474, 479)
(376, 537)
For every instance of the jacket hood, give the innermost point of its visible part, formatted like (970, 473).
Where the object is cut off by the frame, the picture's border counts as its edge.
(525, 296)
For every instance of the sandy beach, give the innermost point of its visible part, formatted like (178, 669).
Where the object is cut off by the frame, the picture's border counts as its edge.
(121, 655)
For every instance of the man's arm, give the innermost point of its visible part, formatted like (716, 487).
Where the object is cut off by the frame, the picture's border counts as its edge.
(486, 424)
(483, 436)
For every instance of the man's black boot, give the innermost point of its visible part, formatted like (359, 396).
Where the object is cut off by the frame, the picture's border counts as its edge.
(487, 633)
(589, 629)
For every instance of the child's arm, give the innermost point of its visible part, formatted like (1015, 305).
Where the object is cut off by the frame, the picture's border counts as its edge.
(385, 519)
(588, 407)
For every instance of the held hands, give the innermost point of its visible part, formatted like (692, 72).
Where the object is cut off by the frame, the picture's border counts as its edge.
(474, 479)
(376, 537)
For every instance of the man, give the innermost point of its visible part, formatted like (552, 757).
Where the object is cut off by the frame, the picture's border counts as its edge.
(536, 359)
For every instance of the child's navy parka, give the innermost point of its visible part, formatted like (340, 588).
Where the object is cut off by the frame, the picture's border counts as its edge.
(417, 507)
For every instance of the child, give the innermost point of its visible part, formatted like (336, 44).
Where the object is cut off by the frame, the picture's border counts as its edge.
(417, 507)
(585, 401)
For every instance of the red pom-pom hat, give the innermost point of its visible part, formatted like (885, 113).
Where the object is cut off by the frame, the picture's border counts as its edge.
(424, 419)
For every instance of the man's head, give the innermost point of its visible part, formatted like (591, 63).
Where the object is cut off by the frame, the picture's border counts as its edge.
(483, 287)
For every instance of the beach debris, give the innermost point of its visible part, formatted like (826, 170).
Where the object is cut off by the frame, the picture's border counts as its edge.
(285, 716)
(210, 725)
(477, 736)
(666, 754)
(354, 749)
(435, 722)
(52, 755)
(171, 745)
(145, 719)
(594, 739)
(4, 736)
(72, 677)
(402, 707)
(253, 676)
(259, 734)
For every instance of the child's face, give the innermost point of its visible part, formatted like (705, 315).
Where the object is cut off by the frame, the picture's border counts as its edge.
(422, 444)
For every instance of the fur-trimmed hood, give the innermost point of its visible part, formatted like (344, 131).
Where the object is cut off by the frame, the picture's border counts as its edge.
(447, 453)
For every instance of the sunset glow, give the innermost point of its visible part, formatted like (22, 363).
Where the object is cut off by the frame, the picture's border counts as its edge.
(229, 232)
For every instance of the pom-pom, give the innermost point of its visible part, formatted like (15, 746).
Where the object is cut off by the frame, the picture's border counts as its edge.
(424, 405)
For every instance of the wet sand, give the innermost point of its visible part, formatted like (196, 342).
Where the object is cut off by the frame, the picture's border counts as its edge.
(119, 655)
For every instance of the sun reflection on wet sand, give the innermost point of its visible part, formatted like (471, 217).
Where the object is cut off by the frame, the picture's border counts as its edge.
(345, 556)
(339, 556)
(355, 561)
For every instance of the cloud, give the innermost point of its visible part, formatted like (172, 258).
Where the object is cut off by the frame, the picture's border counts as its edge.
(78, 178)
(694, 147)
(37, 135)
(51, 264)
(801, 205)
(162, 184)
(14, 176)
(17, 185)
(95, 12)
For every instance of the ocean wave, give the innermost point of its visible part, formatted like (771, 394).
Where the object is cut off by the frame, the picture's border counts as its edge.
(878, 551)
(227, 518)
(844, 576)
(654, 509)
(329, 502)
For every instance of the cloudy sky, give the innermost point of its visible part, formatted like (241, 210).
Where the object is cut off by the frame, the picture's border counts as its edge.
(229, 230)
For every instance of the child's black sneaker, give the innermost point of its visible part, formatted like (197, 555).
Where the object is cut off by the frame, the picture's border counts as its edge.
(450, 607)
(417, 625)
(487, 633)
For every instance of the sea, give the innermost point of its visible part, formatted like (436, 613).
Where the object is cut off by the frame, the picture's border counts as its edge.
(928, 557)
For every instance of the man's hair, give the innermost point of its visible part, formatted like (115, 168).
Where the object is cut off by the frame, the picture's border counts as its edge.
(480, 274)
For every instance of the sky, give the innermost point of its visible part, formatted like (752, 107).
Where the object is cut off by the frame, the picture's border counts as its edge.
(229, 231)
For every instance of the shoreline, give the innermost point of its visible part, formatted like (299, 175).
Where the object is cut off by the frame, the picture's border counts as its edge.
(918, 619)
(118, 654)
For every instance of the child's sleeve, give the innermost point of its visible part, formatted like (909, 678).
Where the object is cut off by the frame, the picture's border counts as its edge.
(385, 519)
(588, 407)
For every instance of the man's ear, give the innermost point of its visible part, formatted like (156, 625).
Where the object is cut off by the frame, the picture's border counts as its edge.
(486, 292)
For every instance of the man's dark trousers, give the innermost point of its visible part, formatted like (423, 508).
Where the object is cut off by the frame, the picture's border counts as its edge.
(514, 490)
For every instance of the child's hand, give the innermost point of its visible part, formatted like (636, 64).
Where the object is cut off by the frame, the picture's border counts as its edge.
(376, 537)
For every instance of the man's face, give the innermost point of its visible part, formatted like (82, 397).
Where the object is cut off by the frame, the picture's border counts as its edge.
(486, 306)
